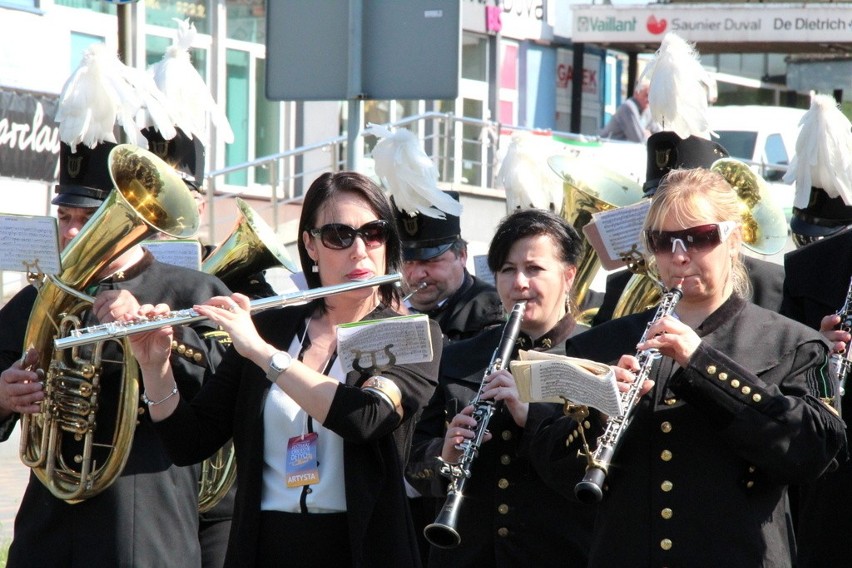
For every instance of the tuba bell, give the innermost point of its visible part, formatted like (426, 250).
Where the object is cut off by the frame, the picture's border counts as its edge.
(590, 188)
(252, 246)
(59, 443)
(764, 230)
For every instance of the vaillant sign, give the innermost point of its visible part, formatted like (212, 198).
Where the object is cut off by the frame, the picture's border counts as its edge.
(825, 23)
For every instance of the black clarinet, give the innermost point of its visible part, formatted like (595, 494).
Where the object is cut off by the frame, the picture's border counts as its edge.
(590, 489)
(442, 533)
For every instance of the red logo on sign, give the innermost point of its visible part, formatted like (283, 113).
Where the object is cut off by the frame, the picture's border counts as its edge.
(656, 26)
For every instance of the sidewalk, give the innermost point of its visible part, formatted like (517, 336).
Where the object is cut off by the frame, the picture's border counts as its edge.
(13, 481)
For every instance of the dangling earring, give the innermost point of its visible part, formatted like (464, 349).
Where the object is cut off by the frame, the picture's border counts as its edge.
(315, 268)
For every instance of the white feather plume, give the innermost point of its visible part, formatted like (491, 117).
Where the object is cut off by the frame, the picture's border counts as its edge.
(823, 153)
(679, 88)
(409, 174)
(188, 96)
(526, 177)
(103, 92)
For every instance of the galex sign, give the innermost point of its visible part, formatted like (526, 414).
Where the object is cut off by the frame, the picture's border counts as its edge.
(827, 23)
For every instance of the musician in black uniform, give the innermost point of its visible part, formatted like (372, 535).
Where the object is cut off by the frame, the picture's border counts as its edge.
(434, 253)
(738, 407)
(815, 288)
(149, 516)
(508, 516)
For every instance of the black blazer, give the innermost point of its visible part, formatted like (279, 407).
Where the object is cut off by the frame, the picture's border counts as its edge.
(713, 444)
(231, 405)
(815, 285)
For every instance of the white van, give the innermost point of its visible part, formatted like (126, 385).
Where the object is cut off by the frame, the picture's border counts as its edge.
(763, 136)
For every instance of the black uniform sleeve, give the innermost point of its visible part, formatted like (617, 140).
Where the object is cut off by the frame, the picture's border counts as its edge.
(784, 426)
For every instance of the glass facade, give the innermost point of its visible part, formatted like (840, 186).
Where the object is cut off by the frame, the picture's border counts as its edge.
(163, 12)
(94, 5)
(246, 20)
(237, 109)
(267, 131)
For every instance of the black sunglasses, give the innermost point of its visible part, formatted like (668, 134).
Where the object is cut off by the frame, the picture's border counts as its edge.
(700, 238)
(339, 236)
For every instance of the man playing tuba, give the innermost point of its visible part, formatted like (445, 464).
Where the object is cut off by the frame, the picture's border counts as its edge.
(149, 508)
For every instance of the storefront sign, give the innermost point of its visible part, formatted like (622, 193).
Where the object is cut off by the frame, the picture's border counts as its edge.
(827, 23)
(29, 137)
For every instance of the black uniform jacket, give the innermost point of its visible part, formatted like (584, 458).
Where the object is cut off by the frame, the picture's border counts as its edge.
(508, 516)
(699, 477)
(816, 284)
(474, 307)
(231, 405)
(151, 511)
(767, 280)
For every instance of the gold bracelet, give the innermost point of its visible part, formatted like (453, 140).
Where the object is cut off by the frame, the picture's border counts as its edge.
(150, 402)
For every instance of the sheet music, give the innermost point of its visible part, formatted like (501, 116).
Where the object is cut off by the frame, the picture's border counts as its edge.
(617, 232)
(405, 339)
(29, 244)
(180, 252)
(545, 377)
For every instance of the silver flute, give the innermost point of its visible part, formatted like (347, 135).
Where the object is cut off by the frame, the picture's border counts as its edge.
(839, 363)
(590, 489)
(115, 330)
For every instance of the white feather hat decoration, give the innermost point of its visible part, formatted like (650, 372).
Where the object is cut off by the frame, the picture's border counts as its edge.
(410, 175)
(103, 92)
(823, 153)
(189, 98)
(528, 180)
(679, 88)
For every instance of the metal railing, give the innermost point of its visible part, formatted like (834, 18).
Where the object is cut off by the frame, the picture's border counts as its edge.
(465, 152)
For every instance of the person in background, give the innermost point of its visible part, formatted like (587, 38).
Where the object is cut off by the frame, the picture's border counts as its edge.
(283, 396)
(435, 257)
(508, 516)
(630, 120)
(816, 289)
(738, 406)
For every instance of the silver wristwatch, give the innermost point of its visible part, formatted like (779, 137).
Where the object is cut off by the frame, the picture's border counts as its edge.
(278, 363)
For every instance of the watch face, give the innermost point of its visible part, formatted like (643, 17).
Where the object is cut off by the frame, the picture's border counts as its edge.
(280, 361)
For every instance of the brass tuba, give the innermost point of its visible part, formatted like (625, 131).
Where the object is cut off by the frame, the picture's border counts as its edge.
(764, 230)
(590, 188)
(149, 197)
(252, 246)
